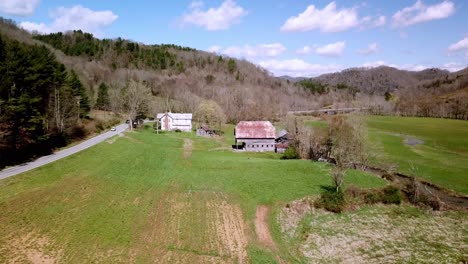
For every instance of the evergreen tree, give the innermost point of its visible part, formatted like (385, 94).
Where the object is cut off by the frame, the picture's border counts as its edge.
(29, 76)
(232, 66)
(2, 49)
(79, 92)
(102, 101)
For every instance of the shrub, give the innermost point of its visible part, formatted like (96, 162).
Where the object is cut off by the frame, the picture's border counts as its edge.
(78, 132)
(353, 191)
(387, 195)
(391, 195)
(331, 200)
(371, 198)
(290, 153)
(178, 130)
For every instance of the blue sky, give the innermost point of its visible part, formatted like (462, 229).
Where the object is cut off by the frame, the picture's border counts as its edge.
(297, 38)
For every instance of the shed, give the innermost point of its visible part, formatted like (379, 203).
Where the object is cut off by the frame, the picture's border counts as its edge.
(205, 131)
(283, 139)
(256, 136)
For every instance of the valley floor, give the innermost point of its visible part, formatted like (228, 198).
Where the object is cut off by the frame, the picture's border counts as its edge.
(177, 198)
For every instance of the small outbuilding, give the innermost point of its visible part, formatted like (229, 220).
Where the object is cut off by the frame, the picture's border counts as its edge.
(173, 121)
(283, 139)
(205, 131)
(255, 136)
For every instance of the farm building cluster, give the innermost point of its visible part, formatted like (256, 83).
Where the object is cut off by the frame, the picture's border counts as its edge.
(256, 136)
(260, 136)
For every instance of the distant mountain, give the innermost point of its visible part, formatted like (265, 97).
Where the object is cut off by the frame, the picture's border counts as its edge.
(381, 79)
(292, 79)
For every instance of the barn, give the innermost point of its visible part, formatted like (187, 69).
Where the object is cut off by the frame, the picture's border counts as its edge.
(173, 121)
(255, 136)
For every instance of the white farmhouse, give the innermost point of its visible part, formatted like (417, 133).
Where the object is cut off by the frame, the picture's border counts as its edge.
(173, 121)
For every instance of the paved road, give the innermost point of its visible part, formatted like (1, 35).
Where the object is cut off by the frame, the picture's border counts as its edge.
(61, 154)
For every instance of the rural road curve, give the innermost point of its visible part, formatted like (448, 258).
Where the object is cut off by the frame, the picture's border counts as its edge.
(61, 154)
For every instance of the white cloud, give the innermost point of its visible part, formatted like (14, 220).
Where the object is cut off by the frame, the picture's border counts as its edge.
(412, 67)
(380, 21)
(371, 48)
(419, 13)
(373, 64)
(73, 18)
(370, 22)
(407, 67)
(18, 7)
(248, 51)
(460, 45)
(453, 66)
(297, 68)
(214, 49)
(328, 19)
(305, 50)
(219, 18)
(196, 4)
(332, 49)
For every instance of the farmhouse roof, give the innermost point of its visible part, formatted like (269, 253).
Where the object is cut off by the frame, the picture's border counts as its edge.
(255, 129)
(176, 115)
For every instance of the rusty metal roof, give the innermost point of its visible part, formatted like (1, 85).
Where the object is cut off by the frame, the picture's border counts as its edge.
(255, 129)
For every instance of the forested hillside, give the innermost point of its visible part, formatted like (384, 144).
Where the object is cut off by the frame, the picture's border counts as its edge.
(428, 93)
(41, 103)
(50, 82)
(179, 77)
(380, 79)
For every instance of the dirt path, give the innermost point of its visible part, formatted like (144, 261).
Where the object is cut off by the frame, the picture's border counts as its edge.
(261, 227)
(187, 148)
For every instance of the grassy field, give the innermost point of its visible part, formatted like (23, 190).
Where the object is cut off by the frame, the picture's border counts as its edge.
(144, 197)
(441, 157)
(375, 234)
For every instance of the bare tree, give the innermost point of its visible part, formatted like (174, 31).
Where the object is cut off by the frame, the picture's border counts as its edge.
(349, 147)
(65, 109)
(136, 97)
(116, 98)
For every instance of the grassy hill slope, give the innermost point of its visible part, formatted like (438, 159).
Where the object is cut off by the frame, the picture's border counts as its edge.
(146, 197)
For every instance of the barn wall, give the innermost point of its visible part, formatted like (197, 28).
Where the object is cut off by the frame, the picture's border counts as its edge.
(258, 145)
(182, 124)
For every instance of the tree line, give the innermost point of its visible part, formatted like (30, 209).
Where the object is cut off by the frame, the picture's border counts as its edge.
(123, 53)
(41, 104)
